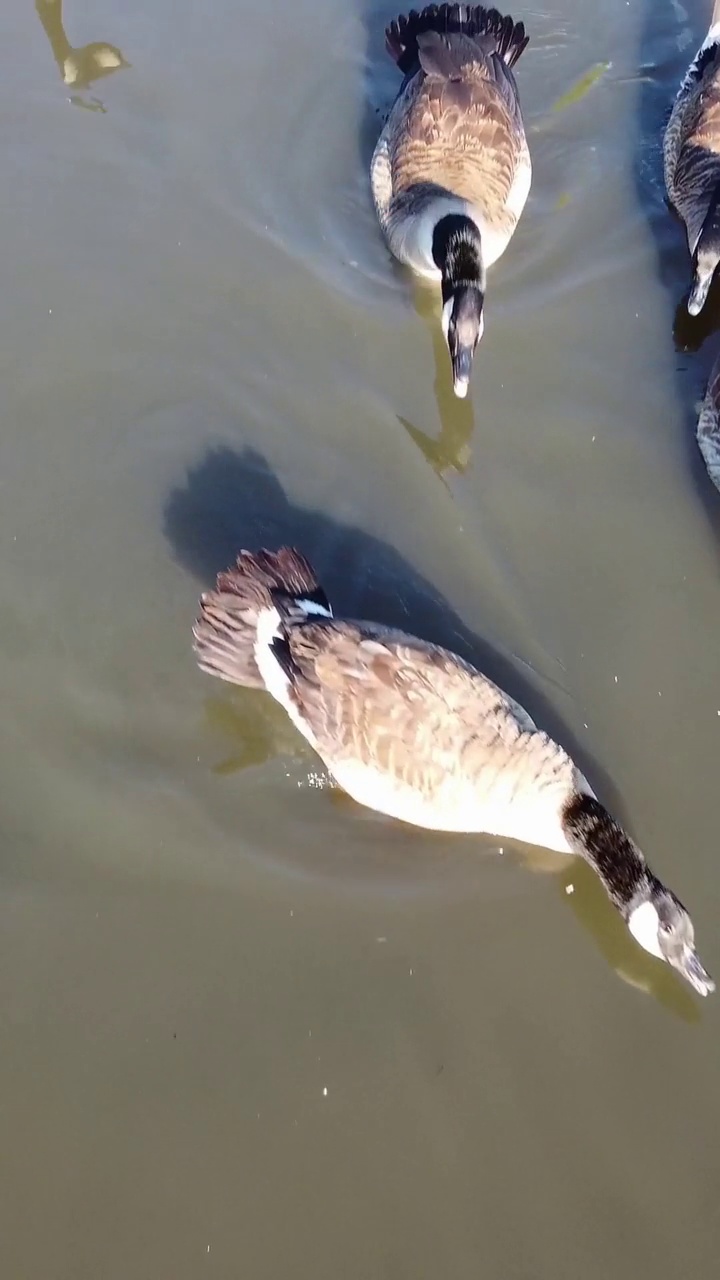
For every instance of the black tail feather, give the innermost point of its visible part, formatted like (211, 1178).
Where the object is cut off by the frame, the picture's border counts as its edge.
(508, 37)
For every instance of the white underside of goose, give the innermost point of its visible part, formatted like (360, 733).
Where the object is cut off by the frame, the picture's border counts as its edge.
(493, 804)
(511, 803)
(411, 240)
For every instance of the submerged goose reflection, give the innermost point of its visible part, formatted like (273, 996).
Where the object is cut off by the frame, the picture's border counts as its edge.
(78, 67)
(451, 450)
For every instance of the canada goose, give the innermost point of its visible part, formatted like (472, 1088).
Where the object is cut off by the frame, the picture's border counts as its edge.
(413, 731)
(708, 427)
(691, 150)
(451, 170)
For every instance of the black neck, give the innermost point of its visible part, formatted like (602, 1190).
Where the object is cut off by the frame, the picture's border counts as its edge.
(456, 253)
(598, 838)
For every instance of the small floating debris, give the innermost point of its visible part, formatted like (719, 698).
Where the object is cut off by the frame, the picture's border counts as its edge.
(577, 91)
(569, 888)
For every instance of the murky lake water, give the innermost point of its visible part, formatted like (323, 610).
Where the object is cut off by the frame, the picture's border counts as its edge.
(248, 1029)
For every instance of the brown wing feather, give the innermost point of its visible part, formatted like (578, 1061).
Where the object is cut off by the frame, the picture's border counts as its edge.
(461, 134)
(695, 175)
(411, 709)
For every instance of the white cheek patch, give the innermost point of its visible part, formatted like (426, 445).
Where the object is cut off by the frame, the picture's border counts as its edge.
(643, 925)
(446, 314)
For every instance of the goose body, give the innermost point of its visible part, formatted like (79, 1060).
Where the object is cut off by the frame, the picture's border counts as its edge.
(451, 170)
(708, 427)
(413, 731)
(691, 153)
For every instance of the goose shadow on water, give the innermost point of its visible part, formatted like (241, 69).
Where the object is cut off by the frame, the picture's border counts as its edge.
(666, 49)
(232, 500)
(82, 66)
(450, 451)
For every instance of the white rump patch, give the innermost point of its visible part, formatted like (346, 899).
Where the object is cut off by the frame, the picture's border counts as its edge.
(311, 607)
(274, 678)
(643, 925)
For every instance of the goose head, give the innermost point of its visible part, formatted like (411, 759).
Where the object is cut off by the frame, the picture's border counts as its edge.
(656, 918)
(661, 924)
(456, 251)
(463, 324)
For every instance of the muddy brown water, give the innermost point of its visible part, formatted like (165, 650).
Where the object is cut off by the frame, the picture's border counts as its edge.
(248, 1029)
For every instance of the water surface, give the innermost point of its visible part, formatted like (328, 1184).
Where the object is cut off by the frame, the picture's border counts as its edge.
(247, 1028)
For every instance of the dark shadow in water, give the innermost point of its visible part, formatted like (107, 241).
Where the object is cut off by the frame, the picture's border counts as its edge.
(664, 64)
(690, 333)
(232, 500)
(79, 67)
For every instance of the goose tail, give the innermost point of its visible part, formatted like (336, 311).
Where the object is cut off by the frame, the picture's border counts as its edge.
(258, 590)
(502, 34)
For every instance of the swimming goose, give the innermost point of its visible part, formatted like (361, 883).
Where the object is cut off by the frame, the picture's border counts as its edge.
(451, 170)
(691, 150)
(411, 730)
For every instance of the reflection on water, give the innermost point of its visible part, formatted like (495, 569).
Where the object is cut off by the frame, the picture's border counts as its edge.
(691, 332)
(450, 451)
(82, 66)
(272, 735)
(201, 323)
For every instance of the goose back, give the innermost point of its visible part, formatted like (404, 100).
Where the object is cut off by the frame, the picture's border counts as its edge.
(691, 145)
(413, 731)
(454, 142)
